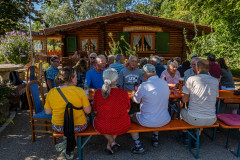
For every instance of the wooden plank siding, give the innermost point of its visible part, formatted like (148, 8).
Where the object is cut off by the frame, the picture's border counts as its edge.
(177, 47)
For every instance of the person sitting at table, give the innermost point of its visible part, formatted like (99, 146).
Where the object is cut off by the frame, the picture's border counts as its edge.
(185, 66)
(142, 62)
(55, 104)
(162, 62)
(111, 105)
(130, 76)
(76, 55)
(153, 97)
(118, 65)
(156, 62)
(171, 74)
(226, 79)
(201, 92)
(110, 60)
(81, 69)
(92, 61)
(214, 69)
(192, 71)
(52, 72)
(95, 75)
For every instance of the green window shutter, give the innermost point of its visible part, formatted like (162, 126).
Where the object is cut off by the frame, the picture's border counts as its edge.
(122, 44)
(71, 43)
(162, 44)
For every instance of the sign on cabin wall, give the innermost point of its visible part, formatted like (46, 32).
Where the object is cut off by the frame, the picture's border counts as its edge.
(142, 28)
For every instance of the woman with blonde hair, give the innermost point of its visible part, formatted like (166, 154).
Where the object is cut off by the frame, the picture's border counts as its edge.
(111, 105)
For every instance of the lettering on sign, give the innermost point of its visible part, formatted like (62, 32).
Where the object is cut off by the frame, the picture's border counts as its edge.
(142, 28)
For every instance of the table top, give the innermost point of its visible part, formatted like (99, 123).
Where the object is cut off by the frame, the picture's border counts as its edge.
(10, 67)
(174, 94)
(227, 94)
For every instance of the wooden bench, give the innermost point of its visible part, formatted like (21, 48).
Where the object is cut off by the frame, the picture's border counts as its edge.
(172, 125)
(230, 128)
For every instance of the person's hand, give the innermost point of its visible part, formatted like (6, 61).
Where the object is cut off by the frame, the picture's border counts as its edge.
(133, 92)
(177, 85)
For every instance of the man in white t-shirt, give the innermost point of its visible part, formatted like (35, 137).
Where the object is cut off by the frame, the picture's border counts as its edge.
(201, 92)
(153, 97)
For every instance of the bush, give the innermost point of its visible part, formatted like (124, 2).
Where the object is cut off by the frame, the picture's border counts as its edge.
(15, 47)
(5, 91)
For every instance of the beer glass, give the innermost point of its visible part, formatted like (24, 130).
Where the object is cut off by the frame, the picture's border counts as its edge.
(181, 82)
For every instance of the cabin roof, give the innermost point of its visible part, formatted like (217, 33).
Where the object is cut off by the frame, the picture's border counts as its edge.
(128, 15)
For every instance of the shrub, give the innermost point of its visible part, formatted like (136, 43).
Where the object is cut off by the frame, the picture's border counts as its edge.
(15, 47)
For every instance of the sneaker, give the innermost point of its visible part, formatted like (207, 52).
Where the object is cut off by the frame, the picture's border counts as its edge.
(61, 146)
(154, 142)
(137, 150)
(67, 156)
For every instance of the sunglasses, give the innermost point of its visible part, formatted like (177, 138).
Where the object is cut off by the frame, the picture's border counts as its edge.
(92, 57)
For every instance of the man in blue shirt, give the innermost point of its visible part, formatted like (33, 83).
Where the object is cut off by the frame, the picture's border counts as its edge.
(118, 64)
(95, 76)
(156, 62)
(52, 72)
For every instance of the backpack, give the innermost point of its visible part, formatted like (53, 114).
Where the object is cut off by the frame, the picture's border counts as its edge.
(14, 78)
(69, 124)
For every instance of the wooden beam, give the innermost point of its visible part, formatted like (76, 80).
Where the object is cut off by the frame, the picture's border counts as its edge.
(102, 39)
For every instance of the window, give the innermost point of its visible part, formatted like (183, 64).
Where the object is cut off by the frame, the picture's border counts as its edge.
(143, 42)
(88, 44)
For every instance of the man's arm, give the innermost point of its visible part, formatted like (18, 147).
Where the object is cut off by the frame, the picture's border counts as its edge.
(185, 98)
(49, 83)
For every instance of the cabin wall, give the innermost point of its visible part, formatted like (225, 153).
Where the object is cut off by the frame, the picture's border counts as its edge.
(177, 47)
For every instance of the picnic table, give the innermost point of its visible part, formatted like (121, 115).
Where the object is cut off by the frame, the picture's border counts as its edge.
(227, 95)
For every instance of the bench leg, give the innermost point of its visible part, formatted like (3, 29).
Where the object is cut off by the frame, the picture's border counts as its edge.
(190, 136)
(79, 144)
(238, 150)
(228, 135)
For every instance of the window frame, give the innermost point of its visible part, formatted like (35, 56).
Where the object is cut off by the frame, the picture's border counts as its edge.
(88, 38)
(142, 34)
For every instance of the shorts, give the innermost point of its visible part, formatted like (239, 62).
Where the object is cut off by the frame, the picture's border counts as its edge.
(77, 129)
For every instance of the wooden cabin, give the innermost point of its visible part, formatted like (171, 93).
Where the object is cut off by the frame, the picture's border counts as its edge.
(148, 35)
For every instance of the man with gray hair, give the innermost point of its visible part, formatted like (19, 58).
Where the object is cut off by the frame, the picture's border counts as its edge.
(131, 76)
(153, 96)
(118, 64)
(155, 60)
(191, 71)
(110, 60)
(94, 76)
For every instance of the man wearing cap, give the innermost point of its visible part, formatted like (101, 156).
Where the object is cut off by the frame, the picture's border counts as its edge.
(52, 72)
(153, 97)
(92, 62)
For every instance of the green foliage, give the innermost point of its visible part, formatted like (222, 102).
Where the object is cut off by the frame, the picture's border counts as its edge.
(114, 46)
(15, 47)
(45, 65)
(61, 15)
(5, 91)
(222, 15)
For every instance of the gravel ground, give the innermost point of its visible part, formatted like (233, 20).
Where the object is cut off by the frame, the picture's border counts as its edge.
(15, 143)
